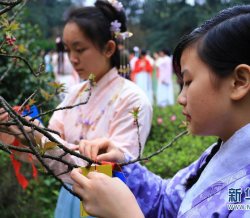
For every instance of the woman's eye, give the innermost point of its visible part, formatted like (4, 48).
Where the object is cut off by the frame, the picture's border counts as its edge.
(187, 83)
(80, 50)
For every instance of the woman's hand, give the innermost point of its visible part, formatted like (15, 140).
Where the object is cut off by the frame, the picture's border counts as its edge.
(101, 150)
(104, 196)
(4, 118)
(4, 137)
(7, 131)
(13, 130)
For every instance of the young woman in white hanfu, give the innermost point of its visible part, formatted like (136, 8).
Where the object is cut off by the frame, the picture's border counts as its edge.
(90, 39)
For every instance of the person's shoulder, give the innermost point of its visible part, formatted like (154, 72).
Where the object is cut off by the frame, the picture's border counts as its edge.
(168, 58)
(76, 87)
(131, 88)
(73, 90)
(134, 93)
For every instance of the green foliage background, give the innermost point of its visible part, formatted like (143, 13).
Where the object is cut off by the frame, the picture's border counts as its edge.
(160, 25)
(183, 152)
(38, 200)
(20, 83)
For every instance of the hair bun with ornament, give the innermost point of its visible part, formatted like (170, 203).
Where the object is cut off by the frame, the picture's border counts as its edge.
(113, 10)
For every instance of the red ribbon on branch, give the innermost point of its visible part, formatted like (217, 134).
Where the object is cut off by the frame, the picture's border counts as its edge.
(22, 180)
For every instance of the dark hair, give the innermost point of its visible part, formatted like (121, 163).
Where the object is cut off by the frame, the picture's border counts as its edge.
(194, 178)
(223, 41)
(143, 52)
(166, 51)
(95, 21)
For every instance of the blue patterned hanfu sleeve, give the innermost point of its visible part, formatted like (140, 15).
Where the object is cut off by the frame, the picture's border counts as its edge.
(157, 197)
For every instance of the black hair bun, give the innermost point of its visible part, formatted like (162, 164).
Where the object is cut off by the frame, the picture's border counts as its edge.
(112, 13)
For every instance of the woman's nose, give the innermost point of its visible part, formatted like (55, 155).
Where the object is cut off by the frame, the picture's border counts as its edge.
(182, 99)
(73, 59)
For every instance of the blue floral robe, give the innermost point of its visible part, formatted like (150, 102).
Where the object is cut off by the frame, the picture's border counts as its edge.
(223, 184)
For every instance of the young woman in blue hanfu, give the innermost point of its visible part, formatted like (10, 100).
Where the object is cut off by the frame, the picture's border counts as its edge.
(214, 63)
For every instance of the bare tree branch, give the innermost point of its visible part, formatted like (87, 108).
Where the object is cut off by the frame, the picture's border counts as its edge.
(18, 11)
(157, 152)
(4, 147)
(26, 100)
(9, 5)
(65, 108)
(6, 72)
(36, 74)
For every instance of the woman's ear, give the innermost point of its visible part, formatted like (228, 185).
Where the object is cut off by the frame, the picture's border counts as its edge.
(240, 82)
(110, 48)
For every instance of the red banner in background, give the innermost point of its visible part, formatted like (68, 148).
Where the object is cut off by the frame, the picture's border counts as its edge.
(17, 167)
(22, 180)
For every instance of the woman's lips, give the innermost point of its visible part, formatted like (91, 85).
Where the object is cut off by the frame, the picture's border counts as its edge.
(188, 117)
